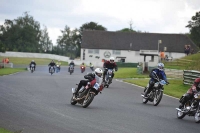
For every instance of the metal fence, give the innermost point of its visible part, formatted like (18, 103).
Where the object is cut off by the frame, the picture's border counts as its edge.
(189, 76)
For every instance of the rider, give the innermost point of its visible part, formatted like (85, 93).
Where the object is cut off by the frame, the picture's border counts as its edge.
(83, 65)
(190, 93)
(91, 66)
(71, 63)
(58, 63)
(109, 65)
(155, 75)
(32, 62)
(52, 64)
(90, 76)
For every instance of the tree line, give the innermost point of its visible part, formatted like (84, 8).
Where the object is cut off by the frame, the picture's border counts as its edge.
(25, 34)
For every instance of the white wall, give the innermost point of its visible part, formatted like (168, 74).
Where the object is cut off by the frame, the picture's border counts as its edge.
(34, 55)
(48, 56)
(131, 56)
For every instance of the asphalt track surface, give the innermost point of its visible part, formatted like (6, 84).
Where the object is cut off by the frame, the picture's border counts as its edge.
(40, 103)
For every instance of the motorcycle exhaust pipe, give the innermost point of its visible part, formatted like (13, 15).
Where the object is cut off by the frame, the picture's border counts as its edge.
(180, 110)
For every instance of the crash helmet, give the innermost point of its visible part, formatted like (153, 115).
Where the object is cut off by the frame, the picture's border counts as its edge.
(33, 61)
(98, 72)
(161, 66)
(112, 59)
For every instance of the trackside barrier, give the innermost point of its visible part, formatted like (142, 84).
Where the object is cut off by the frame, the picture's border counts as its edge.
(189, 76)
(6, 65)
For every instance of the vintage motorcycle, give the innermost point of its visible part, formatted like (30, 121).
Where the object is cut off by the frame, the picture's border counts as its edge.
(86, 94)
(108, 77)
(191, 108)
(51, 70)
(32, 68)
(156, 93)
(82, 68)
(71, 69)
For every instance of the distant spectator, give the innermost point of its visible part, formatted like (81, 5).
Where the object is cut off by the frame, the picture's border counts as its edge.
(162, 55)
(4, 60)
(187, 49)
(7, 60)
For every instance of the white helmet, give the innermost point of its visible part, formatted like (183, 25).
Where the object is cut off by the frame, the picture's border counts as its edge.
(112, 59)
(98, 72)
(161, 66)
(32, 60)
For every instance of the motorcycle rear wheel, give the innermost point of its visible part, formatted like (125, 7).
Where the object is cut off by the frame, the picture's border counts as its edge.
(197, 115)
(157, 97)
(87, 101)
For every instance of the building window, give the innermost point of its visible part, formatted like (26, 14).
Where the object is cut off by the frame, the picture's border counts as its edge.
(137, 53)
(93, 51)
(96, 51)
(90, 51)
(116, 52)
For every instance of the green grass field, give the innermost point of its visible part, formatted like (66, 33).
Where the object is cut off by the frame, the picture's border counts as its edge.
(129, 73)
(6, 71)
(25, 61)
(191, 62)
(2, 130)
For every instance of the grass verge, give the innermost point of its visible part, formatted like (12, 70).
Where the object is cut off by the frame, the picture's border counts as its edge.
(129, 73)
(6, 71)
(176, 88)
(2, 130)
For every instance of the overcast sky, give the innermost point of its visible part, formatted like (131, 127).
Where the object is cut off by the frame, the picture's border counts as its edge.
(153, 16)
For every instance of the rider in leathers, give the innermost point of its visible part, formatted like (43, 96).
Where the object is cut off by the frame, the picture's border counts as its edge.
(161, 75)
(32, 62)
(109, 65)
(71, 63)
(53, 64)
(90, 76)
(190, 93)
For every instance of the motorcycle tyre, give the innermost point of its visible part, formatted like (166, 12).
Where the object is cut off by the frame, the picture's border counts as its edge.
(87, 102)
(158, 100)
(144, 100)
(181, 115)
(72, 101)
(197, 115)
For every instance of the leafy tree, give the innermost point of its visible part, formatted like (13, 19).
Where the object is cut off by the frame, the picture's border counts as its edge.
(92, 26)
(87, 26)
(68, 42)
(194, 26)
(46, 44)
(24, 34)
(126, 30)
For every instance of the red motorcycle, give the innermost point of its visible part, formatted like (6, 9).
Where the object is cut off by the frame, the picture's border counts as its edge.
(86, 94)
(82, 68)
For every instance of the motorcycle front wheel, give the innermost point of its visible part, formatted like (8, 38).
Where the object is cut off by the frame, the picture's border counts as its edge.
(87, 101)
(197, 115)
(73, 102)
(180, 115)
(157, 97)
(144, 100)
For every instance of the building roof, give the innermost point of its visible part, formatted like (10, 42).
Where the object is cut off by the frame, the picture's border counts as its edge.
(93, 39)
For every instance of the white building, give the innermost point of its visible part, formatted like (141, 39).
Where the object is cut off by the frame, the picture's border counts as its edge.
(130, 47)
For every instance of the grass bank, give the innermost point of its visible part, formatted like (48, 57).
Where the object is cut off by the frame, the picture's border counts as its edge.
(6, 71)
(2, 130)
(26, 61)
(129, 73)
(176, 88)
